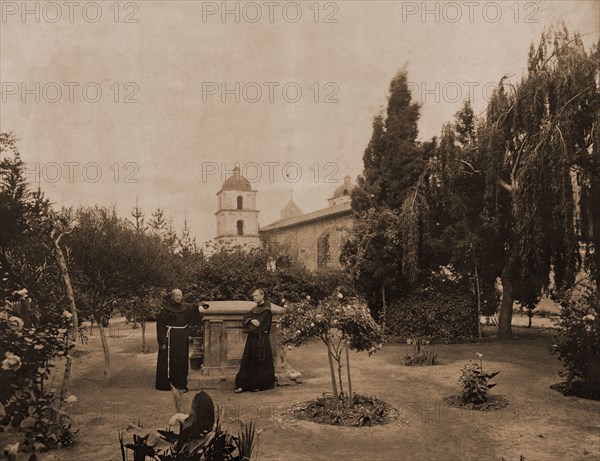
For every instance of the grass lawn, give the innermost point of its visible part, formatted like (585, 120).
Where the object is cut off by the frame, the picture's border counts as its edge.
(539, 423)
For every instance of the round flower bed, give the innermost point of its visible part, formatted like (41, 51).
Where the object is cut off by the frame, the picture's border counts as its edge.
(362, 411)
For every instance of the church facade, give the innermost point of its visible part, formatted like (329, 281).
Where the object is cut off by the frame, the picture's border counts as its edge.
(314, 238)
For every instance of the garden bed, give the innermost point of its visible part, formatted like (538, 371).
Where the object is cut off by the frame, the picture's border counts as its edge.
(364, 411)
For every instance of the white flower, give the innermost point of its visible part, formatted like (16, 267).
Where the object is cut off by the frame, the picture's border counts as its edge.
(178, 418)
(282, 300)
(589, 318)
(38, 347)
(11, 362)
(379, 346)
(22, 293)
(308, 297)
(71, 399)
(588, 328)
(298, 332)
(478, 354)
(62, 331)
(289, 348)
(340, 295)
(11, 449)
(67, 314)
(17, 323)
(312, 324)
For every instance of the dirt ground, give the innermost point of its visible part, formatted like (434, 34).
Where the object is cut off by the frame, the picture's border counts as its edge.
(539, 423)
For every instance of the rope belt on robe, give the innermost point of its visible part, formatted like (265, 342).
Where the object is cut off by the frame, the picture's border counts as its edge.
(169, 327)
(261, 346)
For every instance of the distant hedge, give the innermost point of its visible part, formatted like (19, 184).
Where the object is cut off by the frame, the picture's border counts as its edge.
(436, 309)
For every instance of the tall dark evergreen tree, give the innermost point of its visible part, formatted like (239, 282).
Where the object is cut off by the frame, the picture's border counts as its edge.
(393, 163)
(393, 159)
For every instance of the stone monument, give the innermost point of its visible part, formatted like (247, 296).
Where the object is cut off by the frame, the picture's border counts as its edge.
(224, 345)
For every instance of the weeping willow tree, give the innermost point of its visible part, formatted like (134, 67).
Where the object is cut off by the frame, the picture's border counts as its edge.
(535, 134)
(589, 170)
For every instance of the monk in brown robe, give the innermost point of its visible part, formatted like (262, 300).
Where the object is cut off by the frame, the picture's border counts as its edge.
(172, 331)
(257, 371)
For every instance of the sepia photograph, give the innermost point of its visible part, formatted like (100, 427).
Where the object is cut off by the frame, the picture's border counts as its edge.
(300, 230)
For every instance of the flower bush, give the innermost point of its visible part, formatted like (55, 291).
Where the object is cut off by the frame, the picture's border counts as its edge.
(339, 321)
(27, 356)
(476, 383)
(578, 342)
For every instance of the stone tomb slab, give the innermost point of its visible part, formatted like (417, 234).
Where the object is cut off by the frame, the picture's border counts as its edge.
(224, 345)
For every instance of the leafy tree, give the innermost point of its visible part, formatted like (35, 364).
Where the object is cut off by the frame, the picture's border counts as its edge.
(112, 263)
(373, 257)
(341, 323)
(35, 270)
(588, 167)
(535, 131)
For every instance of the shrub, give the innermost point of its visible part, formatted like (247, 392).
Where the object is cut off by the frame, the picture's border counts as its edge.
(437, 308)
(475, 384)
(420, 355)
(578, 341)
(27, 355)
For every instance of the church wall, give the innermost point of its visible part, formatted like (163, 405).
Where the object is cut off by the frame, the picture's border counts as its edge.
(302, 239)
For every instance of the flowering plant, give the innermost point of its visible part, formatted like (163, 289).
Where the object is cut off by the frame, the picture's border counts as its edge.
(26, 355)
(476, 383)
(193, 439)
(339, 321)
(578, 340)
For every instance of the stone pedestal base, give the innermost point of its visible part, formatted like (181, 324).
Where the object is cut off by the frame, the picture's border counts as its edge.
(203, 379)
(224, 344)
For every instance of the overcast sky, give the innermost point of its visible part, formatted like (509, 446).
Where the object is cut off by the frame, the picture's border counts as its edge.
(287, 90)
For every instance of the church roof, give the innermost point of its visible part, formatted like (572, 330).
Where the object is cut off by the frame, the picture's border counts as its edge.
(344, 208)
(291, 210)
(344, 189)
(237, 182)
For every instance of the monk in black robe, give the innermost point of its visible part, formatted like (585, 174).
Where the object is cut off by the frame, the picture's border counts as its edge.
(257, 371)
(172, 332)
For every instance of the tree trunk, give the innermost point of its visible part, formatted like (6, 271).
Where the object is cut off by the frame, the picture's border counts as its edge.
(331, 369)
(144, 347)
(506, 306)
(383, 308)
(348, 370)
(339, 362)
(478, 290)
(104, 349)
(72, 338)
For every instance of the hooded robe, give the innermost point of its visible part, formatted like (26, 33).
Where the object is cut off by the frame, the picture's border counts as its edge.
(173, 330)
(257, 371)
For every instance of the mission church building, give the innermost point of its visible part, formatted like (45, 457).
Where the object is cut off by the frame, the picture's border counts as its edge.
(313, 238)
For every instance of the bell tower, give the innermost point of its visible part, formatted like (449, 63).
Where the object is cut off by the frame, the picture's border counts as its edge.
(237, 216)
